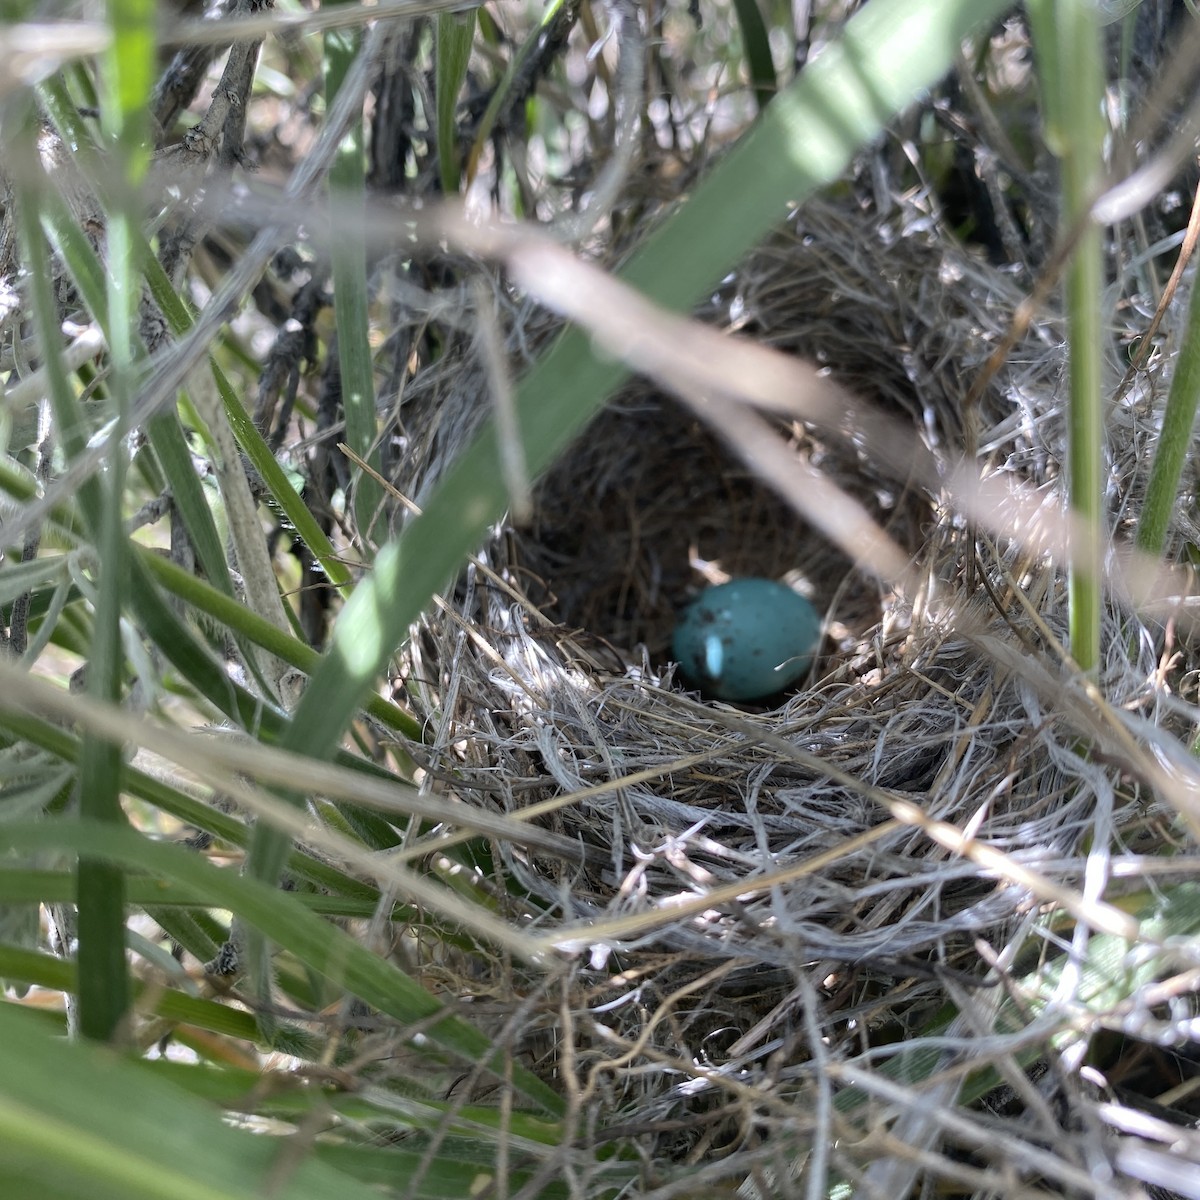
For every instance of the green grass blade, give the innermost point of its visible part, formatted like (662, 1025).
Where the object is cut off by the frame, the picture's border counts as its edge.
(129, 79)
(100, 896)
(502, 94)
(194, 662)
(351, 298)
(166, 436)
(463, 1168)
(325, 948)
(21, 886)
(1175, 440)
(248, 437)
(153, 790)
(104, 989)
(77, 254)
(285, 495)
(1067, 45)
(891, 50)
(241, 1091)
(58, 974)
(265, 723)
(175, 457)
(230, 614)
(21, 484)
(103, 977)
(446, 1179)
(248, 711)
(38, 573)
(104, 986)
(71, 426)
(77, 1121)
(757, 46)
(455, 37)
(269, 847)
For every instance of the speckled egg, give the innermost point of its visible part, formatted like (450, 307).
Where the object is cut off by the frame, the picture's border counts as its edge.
(746, 639)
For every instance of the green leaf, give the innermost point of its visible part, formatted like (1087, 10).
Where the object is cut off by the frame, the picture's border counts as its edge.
(104, 985)
(1067, 47)
(325, 948)
(175, 458)
(280, 487)
(19, 483)
(502, 94)
(58, 974)
(758, 51)
(351, 288)
(247, 435)
(448, 1177)
(19, 885)
(192, 660)
(20, 577)
(1175, 439)
(231, 614)
(415, 1108)
(455, 37)
(77, 1120)
(72, 246)
(131, 67)
(166, 435)
(188, 809)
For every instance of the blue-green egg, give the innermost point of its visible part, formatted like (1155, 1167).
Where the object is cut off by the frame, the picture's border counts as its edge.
(746, 639)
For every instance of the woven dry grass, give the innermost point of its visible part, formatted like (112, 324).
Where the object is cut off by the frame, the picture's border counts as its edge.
(816, 934)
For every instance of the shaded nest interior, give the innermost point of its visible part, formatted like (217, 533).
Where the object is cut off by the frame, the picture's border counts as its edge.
(953, 698)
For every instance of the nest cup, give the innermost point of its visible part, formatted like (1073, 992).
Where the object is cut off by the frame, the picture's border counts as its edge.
(563, 685)
(648, 506)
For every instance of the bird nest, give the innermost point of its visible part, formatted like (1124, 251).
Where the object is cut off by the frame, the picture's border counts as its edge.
(759, 900)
